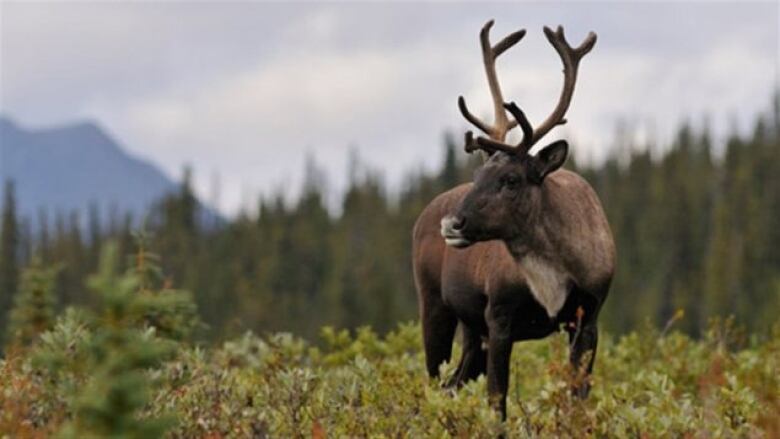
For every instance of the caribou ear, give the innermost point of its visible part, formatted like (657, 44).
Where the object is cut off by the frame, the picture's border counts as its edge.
(550, 158)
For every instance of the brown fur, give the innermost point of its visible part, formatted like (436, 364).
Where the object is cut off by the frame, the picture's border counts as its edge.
(485, 286)
(531, 249)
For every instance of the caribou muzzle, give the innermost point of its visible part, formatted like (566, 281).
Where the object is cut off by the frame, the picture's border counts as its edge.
(452, 229)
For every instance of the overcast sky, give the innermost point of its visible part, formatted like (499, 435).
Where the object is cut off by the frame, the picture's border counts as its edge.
(246, 90)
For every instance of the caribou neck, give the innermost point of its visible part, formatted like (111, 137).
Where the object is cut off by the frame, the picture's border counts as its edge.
(537, 236)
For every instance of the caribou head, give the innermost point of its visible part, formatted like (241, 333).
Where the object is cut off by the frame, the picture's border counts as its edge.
(505, 199)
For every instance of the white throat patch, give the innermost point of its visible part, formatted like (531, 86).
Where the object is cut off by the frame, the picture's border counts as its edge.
(547, 283)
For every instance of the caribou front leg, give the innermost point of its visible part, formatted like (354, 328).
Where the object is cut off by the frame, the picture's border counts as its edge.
(499, 322)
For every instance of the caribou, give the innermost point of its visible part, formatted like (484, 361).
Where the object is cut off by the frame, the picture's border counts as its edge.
(523, 251)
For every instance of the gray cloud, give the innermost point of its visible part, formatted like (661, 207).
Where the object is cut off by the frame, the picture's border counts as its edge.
(249, 89)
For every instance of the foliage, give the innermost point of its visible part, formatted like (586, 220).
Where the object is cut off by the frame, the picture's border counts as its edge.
(115, 355)
(91, 373)
(171, 312)
(9, 262)
(112, 372)
(646, 384)
(33, 311)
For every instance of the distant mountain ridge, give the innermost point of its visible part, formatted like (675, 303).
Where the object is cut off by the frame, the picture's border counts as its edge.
(70, 167)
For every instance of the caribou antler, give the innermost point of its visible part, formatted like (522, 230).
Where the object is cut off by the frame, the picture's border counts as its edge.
(571, 62)
(571, 59)
(501, 124)
(490, 145)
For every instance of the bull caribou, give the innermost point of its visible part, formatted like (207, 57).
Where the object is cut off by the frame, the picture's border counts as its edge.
(519, 253)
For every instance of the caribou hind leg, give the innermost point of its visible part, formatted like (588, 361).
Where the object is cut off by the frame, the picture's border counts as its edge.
(583, 353)
(438, 325)
(583, 341)
(473, 361)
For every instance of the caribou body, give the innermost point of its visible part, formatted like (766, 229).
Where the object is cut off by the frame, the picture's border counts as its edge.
(521, 252)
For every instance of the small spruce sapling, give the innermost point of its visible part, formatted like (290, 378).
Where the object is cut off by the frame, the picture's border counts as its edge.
(33, 311)
(120, 352)
(170, 311)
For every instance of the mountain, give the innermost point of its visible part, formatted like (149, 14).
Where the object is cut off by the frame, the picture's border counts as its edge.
(71, 167)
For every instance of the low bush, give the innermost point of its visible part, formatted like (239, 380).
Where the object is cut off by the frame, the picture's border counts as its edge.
(646, 384)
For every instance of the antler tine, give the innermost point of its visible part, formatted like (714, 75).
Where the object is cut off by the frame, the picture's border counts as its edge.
(491, 145)
(571, 59)
(489, 55)
(525, 126)
(477, 122)
(508, 41)
(471, 145)
(501, 124)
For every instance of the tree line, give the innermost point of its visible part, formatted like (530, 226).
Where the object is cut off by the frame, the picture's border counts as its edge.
(698, 233)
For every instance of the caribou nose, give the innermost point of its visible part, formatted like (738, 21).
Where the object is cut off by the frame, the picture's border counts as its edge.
(451, 225)
(452, 229)
(458, 223)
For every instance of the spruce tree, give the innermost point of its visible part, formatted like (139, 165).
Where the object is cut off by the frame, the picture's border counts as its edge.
(448, 177)
(171, 312)
(9, 238)
(120, 351)
(33, 311)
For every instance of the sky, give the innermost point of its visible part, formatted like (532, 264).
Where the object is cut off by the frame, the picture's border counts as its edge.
(246, 92)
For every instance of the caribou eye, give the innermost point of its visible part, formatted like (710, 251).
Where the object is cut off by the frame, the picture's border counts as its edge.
(511, 181)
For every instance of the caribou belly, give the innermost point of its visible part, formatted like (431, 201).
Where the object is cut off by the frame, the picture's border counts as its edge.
(547, 283)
